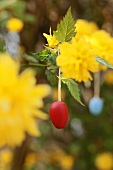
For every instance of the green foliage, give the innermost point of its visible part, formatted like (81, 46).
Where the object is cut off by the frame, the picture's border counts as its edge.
(51, 77)
(42, 55)
(30, 58)
(19, 8)
(4, 15)
(2, 45)
(29, 18)
(47, 56)
(66, 28)
(42, 58)
(103, 62)
(52, 58)
(14, 8)
(73, 88)
(5, 3)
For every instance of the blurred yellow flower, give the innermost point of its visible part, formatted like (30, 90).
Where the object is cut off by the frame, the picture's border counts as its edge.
(56, 155)
(60, 158)
(52, 41)
(14, 24)
(77, 60)
(67, 162)
(84, 27)
(104, 161)
(20, 101)
(31, 159)
(5, 158)
(109, 77)
(102, 42)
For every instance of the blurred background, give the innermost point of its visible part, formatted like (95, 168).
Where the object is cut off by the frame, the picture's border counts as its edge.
(86, 143)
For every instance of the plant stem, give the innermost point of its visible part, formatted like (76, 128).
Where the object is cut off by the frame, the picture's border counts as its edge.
(20, 155)
(35, 64)
(97, 84)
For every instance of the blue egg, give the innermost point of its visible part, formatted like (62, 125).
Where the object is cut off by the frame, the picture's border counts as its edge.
(95, 105)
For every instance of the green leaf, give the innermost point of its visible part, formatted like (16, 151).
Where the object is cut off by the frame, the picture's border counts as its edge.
(103, 62)
(4, 15)
(66, 28)
(19, 11)
(5, 3)
(52, 58)
(19, 7)
(73, 88)
(51, 77)
(30, 58)
(2, 45)
(29, 18)
(42, 55)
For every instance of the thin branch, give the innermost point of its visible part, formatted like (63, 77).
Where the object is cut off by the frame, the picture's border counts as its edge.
(97, 84)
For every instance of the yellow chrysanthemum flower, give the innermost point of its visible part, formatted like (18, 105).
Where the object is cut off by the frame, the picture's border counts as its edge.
(20, 101)
(52, 41)
(77, 60)
(102, 42)
(84, 27)
(14, 24)
(104, 161)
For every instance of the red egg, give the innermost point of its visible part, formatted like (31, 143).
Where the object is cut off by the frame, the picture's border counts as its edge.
(59, 114)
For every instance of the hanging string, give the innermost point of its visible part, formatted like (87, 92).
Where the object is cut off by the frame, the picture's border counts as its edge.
(59, 86)
(59, 83)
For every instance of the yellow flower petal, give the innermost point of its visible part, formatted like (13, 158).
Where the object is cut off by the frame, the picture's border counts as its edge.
(19, 97)
(14, 24)
(104, 161)
(83, 27)
(52, 41)
(40, 114)
(77, 60)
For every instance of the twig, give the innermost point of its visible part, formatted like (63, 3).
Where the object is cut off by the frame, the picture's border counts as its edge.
(97, 84)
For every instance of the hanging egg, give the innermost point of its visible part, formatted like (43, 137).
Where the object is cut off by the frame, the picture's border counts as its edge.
(59, 114)
(96, 105)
